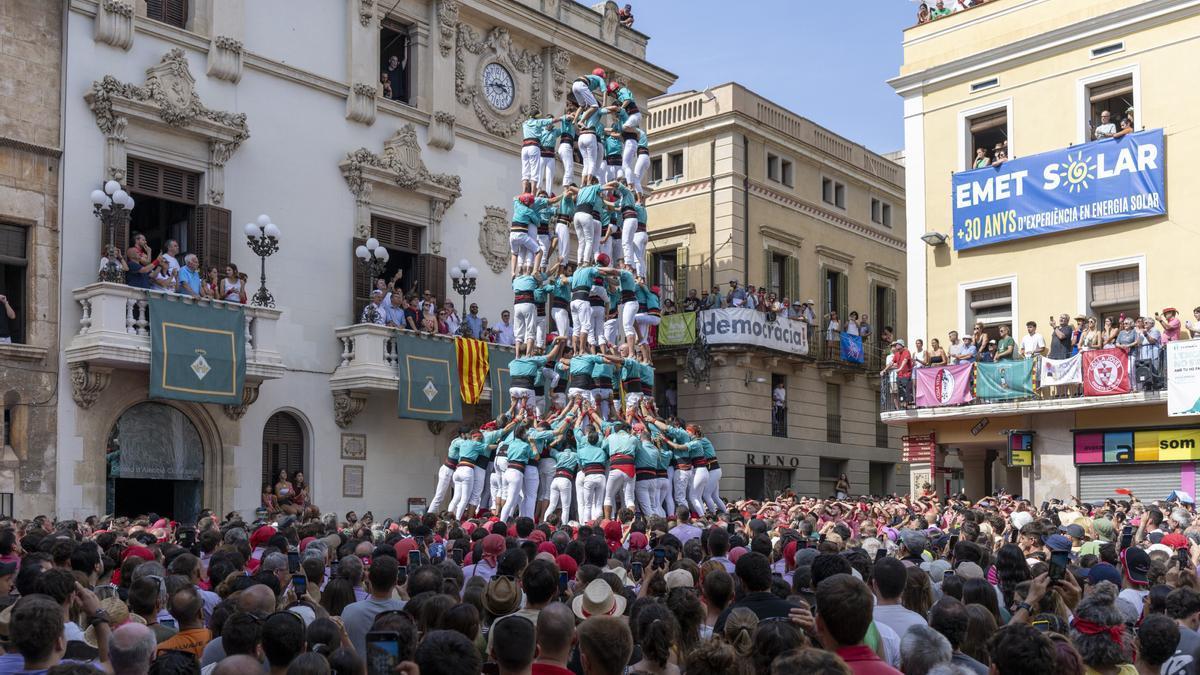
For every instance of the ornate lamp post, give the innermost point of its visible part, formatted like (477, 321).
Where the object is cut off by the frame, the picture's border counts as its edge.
(464, 277)
(374, 258)
(112, 206)
(262, 236)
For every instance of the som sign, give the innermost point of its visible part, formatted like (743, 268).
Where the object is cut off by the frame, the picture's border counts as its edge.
(1090, 184)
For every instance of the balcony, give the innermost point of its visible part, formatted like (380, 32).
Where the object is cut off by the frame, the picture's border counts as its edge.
(114, 333)
(368, 366)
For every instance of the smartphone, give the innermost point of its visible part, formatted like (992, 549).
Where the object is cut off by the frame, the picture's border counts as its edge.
(383, 652)
(953, 541)
(414, 558)
(1185, 558)
(420, 541)
(293, 561)
(186, 537)
(1058, 564)
(563, 580)
(457, 555)
(1126, 537)
(401, 575)
(300, 583)
(636, 570)
(169, 622)
(1042, 626)
(660, 557)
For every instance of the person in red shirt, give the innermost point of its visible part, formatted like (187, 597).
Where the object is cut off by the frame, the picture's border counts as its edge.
(902, 362)
(555, 639)
(844, 614)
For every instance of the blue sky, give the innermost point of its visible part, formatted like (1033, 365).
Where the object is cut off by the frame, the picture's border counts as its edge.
(827, 61)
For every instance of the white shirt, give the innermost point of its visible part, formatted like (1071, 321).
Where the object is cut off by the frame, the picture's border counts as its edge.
(453, 322)
(172, 263)
(1106, 130)
(851, 328)
(1032, 344)
(779, 396)
(504, 334)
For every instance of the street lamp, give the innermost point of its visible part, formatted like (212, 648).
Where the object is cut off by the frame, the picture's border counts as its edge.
(112, 205)
(463, 278)
(262, 236)
(374, 257)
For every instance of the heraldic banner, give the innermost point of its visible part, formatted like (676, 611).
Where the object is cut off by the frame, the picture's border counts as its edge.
(1106, 372)
(675, 330)
(197, 352)
(499, 379)
(943, 385)
(429, 388)
(1053, 372)
(1005, 380)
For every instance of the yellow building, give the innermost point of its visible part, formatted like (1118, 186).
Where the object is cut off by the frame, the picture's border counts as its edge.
(745, 190)
(1044, 77)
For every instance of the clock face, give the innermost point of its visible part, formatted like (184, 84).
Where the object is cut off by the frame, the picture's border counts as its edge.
(498, 87)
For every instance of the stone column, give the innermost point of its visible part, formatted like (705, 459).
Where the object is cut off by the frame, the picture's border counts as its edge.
(362, 41)
(228, 21)
(439, 69)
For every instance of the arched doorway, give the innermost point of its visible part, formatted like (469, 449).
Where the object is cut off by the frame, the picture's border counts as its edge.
(283, 447)
(155, 463)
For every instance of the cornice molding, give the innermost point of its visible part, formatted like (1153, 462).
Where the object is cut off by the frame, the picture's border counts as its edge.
(810, 209)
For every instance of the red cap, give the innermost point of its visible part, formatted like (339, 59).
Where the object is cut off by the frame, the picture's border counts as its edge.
(600, 72)
(526, 199)
(655, 290)
(1175, 540)
(261, 536)
(613, 86)
(305, 542)
(603, 259)
(489, 426)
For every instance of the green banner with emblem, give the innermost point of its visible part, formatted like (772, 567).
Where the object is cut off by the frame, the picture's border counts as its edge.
(197, 351)
(677, 330)
(428, 370)
(499, 379)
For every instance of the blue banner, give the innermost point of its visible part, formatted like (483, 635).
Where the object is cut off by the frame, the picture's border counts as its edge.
(429, 388)
(197, 352)
(852, 348)
(1105, 181)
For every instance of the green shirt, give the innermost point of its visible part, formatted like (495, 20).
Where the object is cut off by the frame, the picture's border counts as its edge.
(1006, 342)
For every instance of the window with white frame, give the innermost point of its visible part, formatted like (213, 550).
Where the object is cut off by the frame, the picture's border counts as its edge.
(987, 131)
(993, 307)
(1109, 103)
(1113, 293)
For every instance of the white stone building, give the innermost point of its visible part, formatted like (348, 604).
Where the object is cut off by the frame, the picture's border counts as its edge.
(214, 111)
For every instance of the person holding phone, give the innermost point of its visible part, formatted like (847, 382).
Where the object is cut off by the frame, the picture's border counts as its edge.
(358, 616)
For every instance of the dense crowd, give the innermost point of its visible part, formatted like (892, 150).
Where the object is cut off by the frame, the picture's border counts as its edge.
(855, 585)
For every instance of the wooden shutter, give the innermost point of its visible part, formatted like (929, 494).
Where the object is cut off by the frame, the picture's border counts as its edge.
(889, 314)
(768, 258)
(159, 180)
(209, 236)
(283, 447)
(431, 275)
(398, 237)
(681, 274)
(842, 283)
(791, 287)
(360, 289)
(174, 12)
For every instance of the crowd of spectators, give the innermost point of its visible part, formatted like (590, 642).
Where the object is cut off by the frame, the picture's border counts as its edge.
(932, 10)
(172, 272)
(391, 306)
(870, 585)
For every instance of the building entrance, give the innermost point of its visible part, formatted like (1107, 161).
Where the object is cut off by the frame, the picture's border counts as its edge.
(155, 464)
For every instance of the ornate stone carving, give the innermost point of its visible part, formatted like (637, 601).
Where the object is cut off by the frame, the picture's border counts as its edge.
(170, 88)
(496, 47)
(114, 23)
(447, 14)
(560, 60)
(436, 428)
(609, 22)
(361, 104)
(218, 154)
(402, 159)
(225, 58)
(493, 238)
(87, 382)
(366, 12)
(346, 406)
(249, 396)
(441, 131)
(114, 150)
(437, 211)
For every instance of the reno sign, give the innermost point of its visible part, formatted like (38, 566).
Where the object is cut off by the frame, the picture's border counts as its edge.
(1104, 181)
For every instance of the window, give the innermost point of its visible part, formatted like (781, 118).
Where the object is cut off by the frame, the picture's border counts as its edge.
(656, 169)
(1114, 97)
(395, 75)
(881, 212)
(883, 317)
(8, 422)
(668, 269)
(675, 164)
(833, 293)
(786, 173)
(833, 192)
(174, 12)
(403, 242)
(14, 262)
(1114, 292)
(984, 84)
(991, 306)
(779, 169)
(779, 421)
(988, 131)
(773, 167)
(776, 281)
(283, 447)
(833, 413)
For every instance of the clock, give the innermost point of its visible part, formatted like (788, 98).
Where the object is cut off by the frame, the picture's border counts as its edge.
(498, 86)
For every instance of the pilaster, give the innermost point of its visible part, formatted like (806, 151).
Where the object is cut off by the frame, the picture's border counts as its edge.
(362, 41)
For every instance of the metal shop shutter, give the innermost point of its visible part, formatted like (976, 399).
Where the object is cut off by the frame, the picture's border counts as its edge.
(1147, 481)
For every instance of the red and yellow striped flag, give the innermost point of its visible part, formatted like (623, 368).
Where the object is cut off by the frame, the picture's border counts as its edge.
(472, 367)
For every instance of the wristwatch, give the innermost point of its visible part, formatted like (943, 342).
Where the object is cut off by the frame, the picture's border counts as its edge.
(1025, 606)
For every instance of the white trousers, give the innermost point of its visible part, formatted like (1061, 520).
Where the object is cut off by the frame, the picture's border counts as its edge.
(478, 483)
(601, 397)
(682, 482)
(545, 469)
(562, 321)
(583, 95)
(566, 155)
(640, 240)
(464, 479)
(524, 317)
(666, 490)
(612, 332)
(563, 233)
(524, 246)
(592, 497)
(633, 123)
(543, 244)
(647, 493)
(444, 480)
(640, 166)
(496, 482)
(619, 484)
(629, 311)
(699, 486)
(628, 155)
(644, 321)
(633, 400)
(581, 319)
(605, 245)
(628, 228)
(589, 151)
(597, 325)
(531, 161)
(711, 496)
(560, 497)
(585, 234)
(530, 489)
(514, 486)
(545, 179)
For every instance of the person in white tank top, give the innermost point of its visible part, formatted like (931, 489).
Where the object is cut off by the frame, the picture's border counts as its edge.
(232, 289)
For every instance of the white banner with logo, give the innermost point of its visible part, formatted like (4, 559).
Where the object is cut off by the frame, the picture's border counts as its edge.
(1053, 372)
(1183, 378)
(740, 326)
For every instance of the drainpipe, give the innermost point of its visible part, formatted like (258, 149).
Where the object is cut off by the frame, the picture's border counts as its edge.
(712, 211)
(746, 204)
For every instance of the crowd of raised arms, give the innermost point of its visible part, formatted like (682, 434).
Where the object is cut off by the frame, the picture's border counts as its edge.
(887, 584)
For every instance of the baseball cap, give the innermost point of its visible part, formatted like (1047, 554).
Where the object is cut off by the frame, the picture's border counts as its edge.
(1173, 540)
(969, 570)
(1072, 530)
(936, 570)
(1136, 563)
(1104, 572)
(679, 579)
(1057, 542)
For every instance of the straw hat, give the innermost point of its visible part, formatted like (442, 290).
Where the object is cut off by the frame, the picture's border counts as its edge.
(118, 615)
(598, 599)
(503, 596)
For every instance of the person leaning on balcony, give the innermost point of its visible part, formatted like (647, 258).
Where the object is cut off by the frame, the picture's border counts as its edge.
(1169, 320)
(1194, 326)
(936, 355)
(1108, 336)
(903, 363)
(1033, 344)
(981, 159)
(1127, 339)
(1106, 128)
(393, 311)
(189, 276)
(380, 314)
(960, 351)
(1090, 338)
(919, 355)
(939, 10)
(1006, 348)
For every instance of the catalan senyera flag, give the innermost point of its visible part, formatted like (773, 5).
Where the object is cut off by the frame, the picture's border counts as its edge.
(472, 367)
